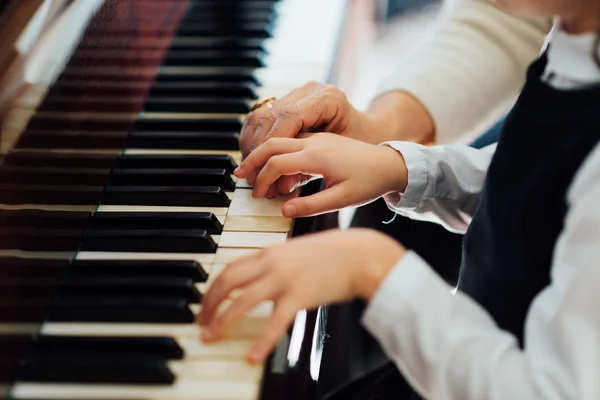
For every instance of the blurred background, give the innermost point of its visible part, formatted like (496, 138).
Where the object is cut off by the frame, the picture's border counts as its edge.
(384, 32)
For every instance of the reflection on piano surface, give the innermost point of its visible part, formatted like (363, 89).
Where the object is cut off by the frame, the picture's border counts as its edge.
(120, 123)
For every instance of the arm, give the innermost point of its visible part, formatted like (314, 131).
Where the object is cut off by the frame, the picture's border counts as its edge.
(444, 183)
(448, 347)
(472, 63)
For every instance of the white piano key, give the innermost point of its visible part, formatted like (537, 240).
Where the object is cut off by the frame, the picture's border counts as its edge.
(216, 370)
(250, 239)
(182, 389)
(243, 204)
(242, 184)
(218, 211)
(115, 255)
(257, 224)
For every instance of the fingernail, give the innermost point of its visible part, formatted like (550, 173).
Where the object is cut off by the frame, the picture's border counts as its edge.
(289, 210)
(208, 334)
(252, 177)
(237, 171)
(254, 193)
(255, 355)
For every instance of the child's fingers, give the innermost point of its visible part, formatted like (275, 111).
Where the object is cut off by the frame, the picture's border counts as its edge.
(331, 199)
(255, 293)
(283, 315)
(280, 165)
(262, 154)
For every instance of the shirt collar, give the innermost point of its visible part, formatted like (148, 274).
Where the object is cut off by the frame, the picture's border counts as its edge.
(570, 57)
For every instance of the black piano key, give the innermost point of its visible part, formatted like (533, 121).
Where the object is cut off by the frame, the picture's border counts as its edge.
(13, 349)
(79, 126)
(23, 268)
(196, 105)
(172, 177)
(264, 15)
(34, 239)
(184, 140)
(54, 176)
(239, 76)
(191, 196)
(30, 287)
(134, 161)
(72, 139)
(147, 372)
(229, 6)
(188, 125)
(48, 194)
(221, 161)
(129, 309)
(142, 348)
(61, 160)
(23, 309)
(45, 219)
(175, 268)
(238, 90)
(118, 177)
(149, 241)
(249, 29)
(131, 286)
(157, 220)
(209, 58)
(204, 57)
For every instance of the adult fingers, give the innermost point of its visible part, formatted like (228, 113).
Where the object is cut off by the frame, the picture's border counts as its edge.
(261, 116)
(269, 116)
(323, 107)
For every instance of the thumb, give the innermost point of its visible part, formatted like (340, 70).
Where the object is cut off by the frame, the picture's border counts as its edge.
(328, 200)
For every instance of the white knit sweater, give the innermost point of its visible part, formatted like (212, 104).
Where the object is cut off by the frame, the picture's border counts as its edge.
(471, 66)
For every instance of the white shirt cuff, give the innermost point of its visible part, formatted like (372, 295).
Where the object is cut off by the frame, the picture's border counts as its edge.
(394, 301)
(417, 177)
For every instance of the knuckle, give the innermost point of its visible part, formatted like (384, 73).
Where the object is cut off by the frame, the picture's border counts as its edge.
(252, 119)
(292, 110)
(268, 117)
(312, 84)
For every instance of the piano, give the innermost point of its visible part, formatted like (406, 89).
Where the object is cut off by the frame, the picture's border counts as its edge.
(120, 123)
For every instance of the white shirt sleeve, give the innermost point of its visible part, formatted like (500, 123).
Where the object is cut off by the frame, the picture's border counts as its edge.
(449, 348)
(444, 183)
(470, 67)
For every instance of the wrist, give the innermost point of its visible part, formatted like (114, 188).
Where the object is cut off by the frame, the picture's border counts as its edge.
(402, 117)
(381, 253)
(394, 170)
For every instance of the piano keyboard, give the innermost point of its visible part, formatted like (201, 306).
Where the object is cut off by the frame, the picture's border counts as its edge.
(118, 204)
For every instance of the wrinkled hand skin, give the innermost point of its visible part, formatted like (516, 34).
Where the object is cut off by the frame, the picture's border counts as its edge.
(312, 107)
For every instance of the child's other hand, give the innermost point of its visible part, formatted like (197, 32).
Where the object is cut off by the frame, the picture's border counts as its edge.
(355, 172)
(304, 273)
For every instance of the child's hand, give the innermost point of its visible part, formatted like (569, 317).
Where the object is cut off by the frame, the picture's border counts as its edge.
(355, 172)
(304, 273)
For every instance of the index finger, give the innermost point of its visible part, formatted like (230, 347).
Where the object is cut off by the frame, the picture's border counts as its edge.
(259, 157)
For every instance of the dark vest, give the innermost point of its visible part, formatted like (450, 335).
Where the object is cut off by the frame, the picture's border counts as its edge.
(508, 248)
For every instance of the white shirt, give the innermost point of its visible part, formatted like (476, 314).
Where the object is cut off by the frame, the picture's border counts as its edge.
(447, 346)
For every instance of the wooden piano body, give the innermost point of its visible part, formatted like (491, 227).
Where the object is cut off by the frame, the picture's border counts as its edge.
(119, 134)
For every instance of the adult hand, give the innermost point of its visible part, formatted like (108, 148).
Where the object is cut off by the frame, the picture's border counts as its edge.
(304, 273)
(314, 106)
(355, 172)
